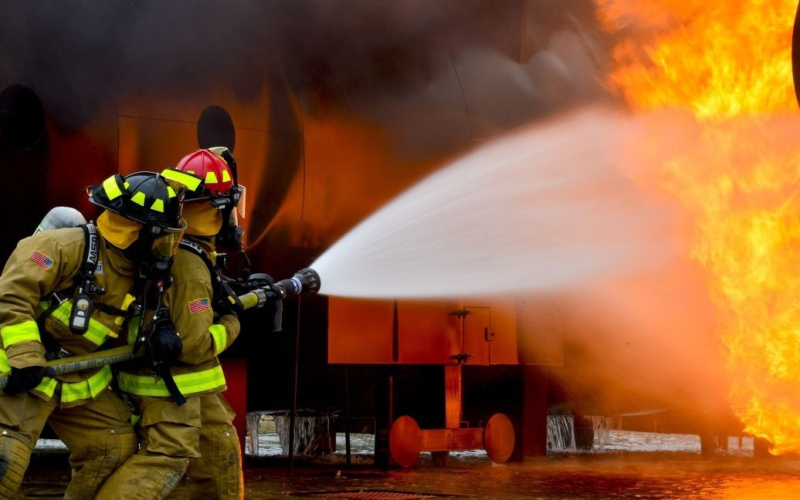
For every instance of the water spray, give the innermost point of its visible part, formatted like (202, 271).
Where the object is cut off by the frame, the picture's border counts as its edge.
(542, 208)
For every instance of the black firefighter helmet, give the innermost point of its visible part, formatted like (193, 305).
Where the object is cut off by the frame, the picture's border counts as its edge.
(144, 197)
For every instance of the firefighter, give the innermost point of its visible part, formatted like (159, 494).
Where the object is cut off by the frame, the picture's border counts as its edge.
(66, 292)
(198, 437)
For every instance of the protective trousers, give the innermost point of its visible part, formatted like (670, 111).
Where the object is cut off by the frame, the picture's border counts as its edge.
(98, 434)
(218, 471)
(170, 437)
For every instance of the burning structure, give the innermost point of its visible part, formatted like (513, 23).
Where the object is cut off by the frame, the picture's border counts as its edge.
(331, 116)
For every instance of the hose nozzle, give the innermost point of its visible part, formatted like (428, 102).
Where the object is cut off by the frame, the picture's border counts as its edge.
(304, 282)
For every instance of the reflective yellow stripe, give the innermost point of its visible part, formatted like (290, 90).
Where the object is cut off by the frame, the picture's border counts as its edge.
(191, 182)
(133, 330)
(96, 333)
(125, 305)
(86, 389)
(188, 383)
(211, 178)
(47, 386)
(21, 332)
(4, 366)
(112, 188)
(171, 192)
(226, 176)
(220, 336)
(139, 198)
(158, 206)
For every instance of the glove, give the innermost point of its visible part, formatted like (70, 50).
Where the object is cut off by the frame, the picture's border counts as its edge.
(164, 345)
(228, 303)
(224, 308)
(24, 379)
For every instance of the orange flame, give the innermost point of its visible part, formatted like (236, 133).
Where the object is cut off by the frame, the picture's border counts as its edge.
(734, 167)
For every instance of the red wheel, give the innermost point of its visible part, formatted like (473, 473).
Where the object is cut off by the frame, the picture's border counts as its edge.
(404, 441)
(498, 438)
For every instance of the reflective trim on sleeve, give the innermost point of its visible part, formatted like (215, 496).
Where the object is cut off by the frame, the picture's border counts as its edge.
(220, 336)
(86, 389)
(97, 331)
(4, 366)
(188, 383)
(47, 386)
(26, 331)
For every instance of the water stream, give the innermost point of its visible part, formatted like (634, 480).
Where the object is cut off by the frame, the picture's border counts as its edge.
(540, 208)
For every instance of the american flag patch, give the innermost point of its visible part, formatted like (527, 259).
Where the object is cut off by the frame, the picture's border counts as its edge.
(41, 260)
(198, 306)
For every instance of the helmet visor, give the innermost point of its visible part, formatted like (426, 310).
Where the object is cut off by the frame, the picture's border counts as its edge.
(165, 245)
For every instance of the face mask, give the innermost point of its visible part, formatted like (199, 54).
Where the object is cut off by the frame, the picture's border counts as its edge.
(202, 218)
(118, 230)
(165, 245)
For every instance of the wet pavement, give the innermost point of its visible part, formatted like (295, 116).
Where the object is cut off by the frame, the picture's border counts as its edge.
(623, 475)
(569, 476)
(622, 464)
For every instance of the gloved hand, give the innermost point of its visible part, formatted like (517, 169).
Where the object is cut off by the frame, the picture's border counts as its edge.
(224, 308)
(164, 344)
(24, 379)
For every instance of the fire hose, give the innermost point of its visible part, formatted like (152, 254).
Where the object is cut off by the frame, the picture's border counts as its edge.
(304, 282)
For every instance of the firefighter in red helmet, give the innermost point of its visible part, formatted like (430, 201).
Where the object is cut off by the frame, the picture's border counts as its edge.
(204, 445)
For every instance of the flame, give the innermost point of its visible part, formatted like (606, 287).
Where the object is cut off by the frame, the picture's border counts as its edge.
(727, 152)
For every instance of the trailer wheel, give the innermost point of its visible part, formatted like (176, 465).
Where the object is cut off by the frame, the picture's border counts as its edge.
(404, 441)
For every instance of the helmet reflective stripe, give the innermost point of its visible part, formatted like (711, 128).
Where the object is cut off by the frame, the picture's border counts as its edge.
(112, 188)
(158, 206)
(190, 181)
(138, 198)
(211, 178)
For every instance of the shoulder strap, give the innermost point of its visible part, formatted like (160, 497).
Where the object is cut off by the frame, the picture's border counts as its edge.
(91, 250)
(223, 295)
(194, 247)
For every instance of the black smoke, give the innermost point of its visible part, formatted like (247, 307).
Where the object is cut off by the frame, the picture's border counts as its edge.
(76, 56)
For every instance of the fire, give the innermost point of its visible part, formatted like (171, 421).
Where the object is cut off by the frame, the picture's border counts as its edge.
(734, 168)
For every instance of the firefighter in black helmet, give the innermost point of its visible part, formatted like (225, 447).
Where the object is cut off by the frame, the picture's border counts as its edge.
(66, 292)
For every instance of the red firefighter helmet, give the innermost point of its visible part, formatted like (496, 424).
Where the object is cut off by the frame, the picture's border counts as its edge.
(214, 179)
(209, 165)
(217, 168)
